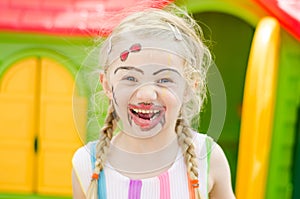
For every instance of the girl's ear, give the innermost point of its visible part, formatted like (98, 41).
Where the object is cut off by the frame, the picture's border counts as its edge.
(105, 86)
(187, 93)
(189, 90)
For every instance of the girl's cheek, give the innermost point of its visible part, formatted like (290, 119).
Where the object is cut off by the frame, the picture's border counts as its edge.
(122, 95)
(173, 95)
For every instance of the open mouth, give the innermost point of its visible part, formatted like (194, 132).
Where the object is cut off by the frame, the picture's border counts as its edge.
(146, 115)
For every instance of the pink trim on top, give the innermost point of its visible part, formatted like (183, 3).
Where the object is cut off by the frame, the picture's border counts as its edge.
(164, 186)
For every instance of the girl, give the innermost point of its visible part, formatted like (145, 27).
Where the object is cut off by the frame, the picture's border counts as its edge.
(154, 76)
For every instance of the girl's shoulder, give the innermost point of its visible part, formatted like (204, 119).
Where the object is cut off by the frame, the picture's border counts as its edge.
(203, 144)
(201, 138)
(84, 151)
(82, 164)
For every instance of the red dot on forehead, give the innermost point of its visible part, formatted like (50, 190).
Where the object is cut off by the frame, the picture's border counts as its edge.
(134, 48)
(124, 55)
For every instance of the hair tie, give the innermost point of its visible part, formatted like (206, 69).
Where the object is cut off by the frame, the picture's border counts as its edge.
(195, 183)
(95, 176)
(176, 32)
(109, 45)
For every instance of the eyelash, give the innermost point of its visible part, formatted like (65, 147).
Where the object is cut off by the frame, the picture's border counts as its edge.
(161, 81)
(130, 78)
(165, 80)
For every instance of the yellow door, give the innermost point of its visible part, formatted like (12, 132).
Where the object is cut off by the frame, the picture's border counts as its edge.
(17, 126)
(38, 136)
(58, 137)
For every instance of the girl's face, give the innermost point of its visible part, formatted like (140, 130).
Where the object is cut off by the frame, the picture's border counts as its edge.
(147, 90)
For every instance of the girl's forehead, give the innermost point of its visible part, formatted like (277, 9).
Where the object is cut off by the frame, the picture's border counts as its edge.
(149, 60)
(152, 45)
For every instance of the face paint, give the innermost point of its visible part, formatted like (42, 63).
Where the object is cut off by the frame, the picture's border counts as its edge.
(114, 96)
(134, 48)
(147, 96)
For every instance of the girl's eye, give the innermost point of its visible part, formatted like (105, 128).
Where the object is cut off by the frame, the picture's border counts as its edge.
(165, 80)
(130, 78)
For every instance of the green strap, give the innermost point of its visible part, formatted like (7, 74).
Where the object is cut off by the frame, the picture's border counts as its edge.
(208, 142)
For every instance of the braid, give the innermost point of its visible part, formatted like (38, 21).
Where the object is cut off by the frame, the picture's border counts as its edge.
(101, 151)
(185, 140)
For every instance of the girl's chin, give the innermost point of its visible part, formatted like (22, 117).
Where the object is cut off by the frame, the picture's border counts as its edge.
(145, 131)
(147, 125)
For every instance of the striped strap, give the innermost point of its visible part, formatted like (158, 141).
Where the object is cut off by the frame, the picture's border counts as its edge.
(101, 181)
(135, 187)
(208, 142)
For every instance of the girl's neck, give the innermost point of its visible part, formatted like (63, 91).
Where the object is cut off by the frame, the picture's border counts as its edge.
(143, 145)
(144, 158)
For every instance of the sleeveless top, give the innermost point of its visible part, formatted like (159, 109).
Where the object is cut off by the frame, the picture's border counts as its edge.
(171, 184)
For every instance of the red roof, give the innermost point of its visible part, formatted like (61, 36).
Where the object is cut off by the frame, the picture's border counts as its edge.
(72, 17)
(287, 12)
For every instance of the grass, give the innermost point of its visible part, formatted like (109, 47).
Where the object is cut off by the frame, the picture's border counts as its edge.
(30, 196)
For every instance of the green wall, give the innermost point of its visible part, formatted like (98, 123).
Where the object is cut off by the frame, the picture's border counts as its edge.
(230, 39)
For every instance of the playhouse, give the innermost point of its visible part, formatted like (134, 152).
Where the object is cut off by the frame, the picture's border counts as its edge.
(43, 44)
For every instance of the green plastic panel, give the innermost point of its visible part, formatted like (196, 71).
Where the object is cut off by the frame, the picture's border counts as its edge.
(296, 165)
(284, 130)
(230, 39)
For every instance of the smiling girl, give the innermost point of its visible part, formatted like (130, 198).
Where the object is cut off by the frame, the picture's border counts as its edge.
(154, 75)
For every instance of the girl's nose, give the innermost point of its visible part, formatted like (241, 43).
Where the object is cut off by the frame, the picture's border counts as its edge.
(146, 93)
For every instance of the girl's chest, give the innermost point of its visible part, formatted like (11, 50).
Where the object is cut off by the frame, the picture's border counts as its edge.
(172, 184)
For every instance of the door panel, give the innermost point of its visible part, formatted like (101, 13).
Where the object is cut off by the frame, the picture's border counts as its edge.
(17, 126)
(37, 132)
(58, 138)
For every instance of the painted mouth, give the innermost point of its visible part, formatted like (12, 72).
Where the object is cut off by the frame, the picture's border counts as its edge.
(146, 115)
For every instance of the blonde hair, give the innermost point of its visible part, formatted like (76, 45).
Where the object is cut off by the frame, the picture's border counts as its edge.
(163, 24)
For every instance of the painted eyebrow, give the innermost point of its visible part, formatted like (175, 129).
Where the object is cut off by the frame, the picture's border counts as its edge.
(166, 69)
(128, 68)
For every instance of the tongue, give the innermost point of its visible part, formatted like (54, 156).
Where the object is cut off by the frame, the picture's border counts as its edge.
(145, 116)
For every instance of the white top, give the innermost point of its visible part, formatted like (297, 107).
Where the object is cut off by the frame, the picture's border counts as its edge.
(174, 180)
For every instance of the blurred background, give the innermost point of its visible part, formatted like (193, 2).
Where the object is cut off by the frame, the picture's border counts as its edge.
(44, 44)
